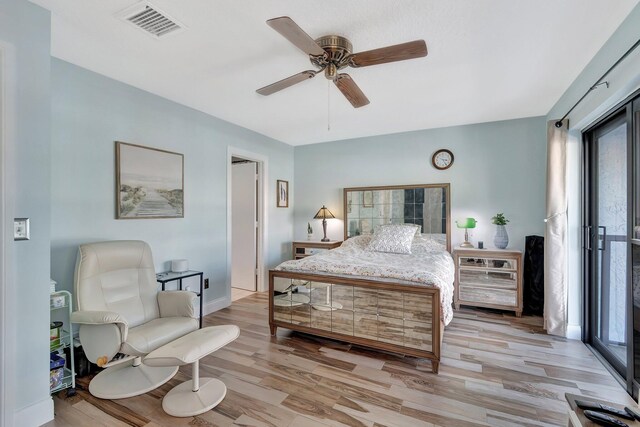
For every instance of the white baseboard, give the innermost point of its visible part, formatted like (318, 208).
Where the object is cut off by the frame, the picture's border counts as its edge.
(215, 305)
(574, 332)
(35, 415)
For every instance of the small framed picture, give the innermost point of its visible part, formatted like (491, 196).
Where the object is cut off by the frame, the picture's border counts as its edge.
(282, 192)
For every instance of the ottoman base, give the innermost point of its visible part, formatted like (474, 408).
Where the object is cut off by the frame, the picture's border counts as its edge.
(182, 401)
(128, 380)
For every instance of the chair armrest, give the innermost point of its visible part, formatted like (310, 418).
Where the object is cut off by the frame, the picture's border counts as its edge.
(101, 318)
(176, 303)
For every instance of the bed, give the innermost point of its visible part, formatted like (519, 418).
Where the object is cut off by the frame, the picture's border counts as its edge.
(387, 301)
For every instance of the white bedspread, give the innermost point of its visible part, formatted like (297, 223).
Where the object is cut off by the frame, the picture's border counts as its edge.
(426, 265)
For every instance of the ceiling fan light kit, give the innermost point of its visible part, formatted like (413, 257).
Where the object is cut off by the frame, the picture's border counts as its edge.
(331, 53)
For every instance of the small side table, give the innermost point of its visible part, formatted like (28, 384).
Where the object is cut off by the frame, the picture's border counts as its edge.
(305, 248)
(170, 276)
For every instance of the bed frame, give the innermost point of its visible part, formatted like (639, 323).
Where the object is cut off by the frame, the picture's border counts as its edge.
(380, 314)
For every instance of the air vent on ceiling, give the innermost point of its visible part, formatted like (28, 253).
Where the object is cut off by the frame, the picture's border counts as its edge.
(151, 20)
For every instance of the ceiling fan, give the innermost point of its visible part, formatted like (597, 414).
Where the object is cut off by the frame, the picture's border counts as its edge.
(332, 53)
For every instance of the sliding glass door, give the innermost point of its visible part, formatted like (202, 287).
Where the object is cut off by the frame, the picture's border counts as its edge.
(609, 200)
(635, 252)
(608, 229)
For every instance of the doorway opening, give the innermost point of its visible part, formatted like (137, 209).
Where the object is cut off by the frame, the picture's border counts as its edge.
(245, 224)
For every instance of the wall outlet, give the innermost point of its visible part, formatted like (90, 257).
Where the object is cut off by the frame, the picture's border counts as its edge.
(206, 283)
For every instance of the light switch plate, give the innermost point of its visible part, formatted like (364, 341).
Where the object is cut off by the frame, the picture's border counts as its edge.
(21, 229)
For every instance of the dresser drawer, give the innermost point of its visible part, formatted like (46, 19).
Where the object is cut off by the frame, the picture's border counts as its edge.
(491, 296)
(488, 279)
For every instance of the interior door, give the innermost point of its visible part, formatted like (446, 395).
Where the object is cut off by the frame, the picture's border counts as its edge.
(607, 249)
(243, 226)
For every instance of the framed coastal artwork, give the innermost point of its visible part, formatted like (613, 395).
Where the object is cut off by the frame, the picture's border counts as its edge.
(282, 191)
(149, 182)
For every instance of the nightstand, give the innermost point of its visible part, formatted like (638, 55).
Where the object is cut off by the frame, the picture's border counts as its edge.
(490, 278)
(305, 248)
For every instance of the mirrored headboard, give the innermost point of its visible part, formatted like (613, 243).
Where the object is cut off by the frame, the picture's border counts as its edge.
(426, 205)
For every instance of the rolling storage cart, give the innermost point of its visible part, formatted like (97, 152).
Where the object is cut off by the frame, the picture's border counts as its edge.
(62, 373)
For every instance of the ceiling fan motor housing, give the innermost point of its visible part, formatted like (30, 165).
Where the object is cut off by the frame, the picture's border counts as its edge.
(337, 50)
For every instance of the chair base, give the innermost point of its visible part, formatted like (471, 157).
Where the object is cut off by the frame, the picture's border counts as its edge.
(182, 401)
(127, 380)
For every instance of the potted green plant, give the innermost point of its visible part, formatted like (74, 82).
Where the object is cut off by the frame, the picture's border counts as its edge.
(501, 239)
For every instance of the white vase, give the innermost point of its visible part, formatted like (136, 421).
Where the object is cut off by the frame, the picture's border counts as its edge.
(501, 239)
(309, 236)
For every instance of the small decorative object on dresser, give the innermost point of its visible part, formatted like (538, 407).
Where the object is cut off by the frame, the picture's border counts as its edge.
(466, 224)
(304, 249)
(309, 231)
(501, 239)
(488, 278)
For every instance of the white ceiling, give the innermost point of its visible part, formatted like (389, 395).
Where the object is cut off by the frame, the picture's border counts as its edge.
(488, 60)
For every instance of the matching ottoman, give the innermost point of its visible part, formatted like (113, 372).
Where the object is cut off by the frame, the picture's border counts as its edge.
(200, 394)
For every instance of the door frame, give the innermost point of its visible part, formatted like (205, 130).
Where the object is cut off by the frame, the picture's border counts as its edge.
(262, 241)
(8, 296)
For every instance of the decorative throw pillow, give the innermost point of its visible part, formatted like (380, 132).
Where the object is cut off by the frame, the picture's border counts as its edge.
(393, 238)
(356, 241)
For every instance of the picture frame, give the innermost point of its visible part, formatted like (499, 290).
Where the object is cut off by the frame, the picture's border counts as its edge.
(282, 193)
(149, 182)
(367, 199)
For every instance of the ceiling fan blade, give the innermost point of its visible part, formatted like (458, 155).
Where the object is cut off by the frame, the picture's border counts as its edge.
(285, 83)
(296, 35)
(398, 52)
(350, 90)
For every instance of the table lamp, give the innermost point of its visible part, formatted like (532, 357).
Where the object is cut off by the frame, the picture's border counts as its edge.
(466, 223)
(323, 214)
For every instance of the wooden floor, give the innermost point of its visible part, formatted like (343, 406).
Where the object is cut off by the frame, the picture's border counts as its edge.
(237, 293)
(497, 370)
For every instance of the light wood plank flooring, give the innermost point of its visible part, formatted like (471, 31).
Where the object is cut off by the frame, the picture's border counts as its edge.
(497, 370)
(237, 293)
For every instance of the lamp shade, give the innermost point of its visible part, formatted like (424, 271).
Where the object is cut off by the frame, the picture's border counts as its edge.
(467, 223)
(324, 213)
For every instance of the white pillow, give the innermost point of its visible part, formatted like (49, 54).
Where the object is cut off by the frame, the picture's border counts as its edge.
(393, 238)
(356, 241)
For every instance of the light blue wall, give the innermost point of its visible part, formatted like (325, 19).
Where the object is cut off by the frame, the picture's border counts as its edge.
(25, 33)
(499, 167)
(90, 112)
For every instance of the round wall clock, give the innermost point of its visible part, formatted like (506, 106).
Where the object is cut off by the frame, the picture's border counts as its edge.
(442, 159)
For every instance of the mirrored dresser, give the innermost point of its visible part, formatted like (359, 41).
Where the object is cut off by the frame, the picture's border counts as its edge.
(490, 278)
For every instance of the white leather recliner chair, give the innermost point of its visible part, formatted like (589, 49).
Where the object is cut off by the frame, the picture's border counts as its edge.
(121, 311)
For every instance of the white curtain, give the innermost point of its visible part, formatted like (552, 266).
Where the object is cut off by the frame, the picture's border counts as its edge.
(555, 242)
